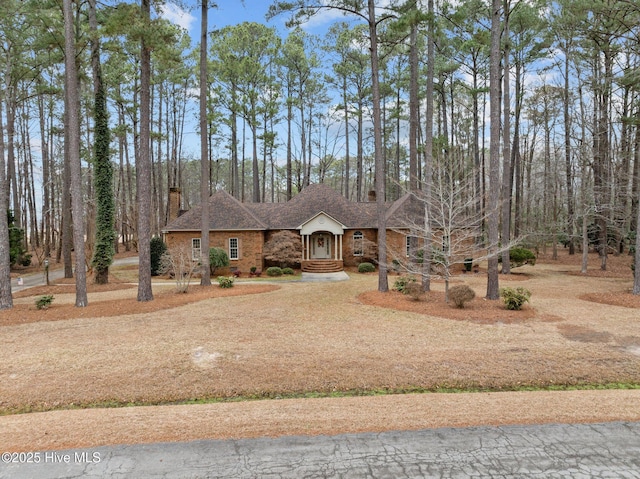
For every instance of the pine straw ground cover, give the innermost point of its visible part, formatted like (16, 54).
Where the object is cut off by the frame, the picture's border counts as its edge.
(298, 339)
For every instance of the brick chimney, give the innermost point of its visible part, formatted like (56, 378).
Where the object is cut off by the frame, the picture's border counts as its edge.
(174, 203)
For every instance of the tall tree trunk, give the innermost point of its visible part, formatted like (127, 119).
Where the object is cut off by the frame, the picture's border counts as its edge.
(506, 147)
(414, 104)
(73, 126)
(383, 283)
(6, 300)
(567, 156)
(289, 143)
(516, 160)
(636, 276)
(360, 148)
(67, 229)
(143, 165)
(479, 170)
(46, 207)
(205, 279)
(255, 171)
(12, 181)
(494, 154)
(428, 151)
(347, 171)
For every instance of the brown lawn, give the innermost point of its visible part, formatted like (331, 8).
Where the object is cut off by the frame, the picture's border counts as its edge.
(265, 341)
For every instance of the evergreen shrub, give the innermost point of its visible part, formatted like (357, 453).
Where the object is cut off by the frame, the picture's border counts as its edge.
(274, 271)
(366, 268)
(514, 298)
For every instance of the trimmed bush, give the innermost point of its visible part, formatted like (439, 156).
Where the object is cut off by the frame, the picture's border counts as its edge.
(521, 256)
(43, 302)
(461, 294)
(225, 281)
(366, 268)
(402, 282)
(158, 248)
(274, 271)
(288, 271)
(514, 298)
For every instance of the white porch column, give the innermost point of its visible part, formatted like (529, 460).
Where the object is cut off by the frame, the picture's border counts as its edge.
(303, 250)
(340, 247)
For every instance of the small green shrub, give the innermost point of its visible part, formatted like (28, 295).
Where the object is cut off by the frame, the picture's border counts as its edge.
(225, 281)
(366, 268)
(520, 256)
(461, 294)
(402, 282)
(218, 258)
(514, 298)
(25, 260)
(274, 271)
(43, 302)
(158, 248)
(413, 289)
(288, 271)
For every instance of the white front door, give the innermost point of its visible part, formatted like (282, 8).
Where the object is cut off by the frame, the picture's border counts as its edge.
(321, 246)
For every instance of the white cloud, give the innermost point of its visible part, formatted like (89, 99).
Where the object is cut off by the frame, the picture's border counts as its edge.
(176, 15)
(323, 18)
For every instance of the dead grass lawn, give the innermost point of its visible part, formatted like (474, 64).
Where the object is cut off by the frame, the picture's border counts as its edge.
(323, 337)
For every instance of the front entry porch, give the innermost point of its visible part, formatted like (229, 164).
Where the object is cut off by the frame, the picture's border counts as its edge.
(322, 245)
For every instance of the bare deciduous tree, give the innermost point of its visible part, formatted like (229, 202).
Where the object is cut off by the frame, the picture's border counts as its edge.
(178, 262)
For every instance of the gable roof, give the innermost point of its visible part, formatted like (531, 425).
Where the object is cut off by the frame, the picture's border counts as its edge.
(225, 213)
(406, 212)
(228, 213)
(315, 198)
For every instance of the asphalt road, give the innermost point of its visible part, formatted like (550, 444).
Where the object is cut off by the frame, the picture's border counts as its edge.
(610, 450)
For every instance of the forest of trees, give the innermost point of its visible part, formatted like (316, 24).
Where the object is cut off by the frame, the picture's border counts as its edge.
(532, 106)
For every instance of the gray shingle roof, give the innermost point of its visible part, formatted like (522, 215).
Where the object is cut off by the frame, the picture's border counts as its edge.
(227, 213)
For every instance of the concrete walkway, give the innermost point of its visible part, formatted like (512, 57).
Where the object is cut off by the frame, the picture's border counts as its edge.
(323, 277)
(550, 451)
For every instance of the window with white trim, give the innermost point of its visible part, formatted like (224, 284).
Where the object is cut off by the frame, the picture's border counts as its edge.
(446, 244)
(357, 243)
(196, 250)
(408, 245)
(234, 249)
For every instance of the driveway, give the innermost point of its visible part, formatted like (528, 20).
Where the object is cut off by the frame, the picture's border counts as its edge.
(546, 451)
(38, 279)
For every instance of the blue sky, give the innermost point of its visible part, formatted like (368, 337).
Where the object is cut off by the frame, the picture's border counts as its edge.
(233, 12)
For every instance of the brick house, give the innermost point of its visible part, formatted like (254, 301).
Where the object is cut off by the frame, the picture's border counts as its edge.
(332, 229)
